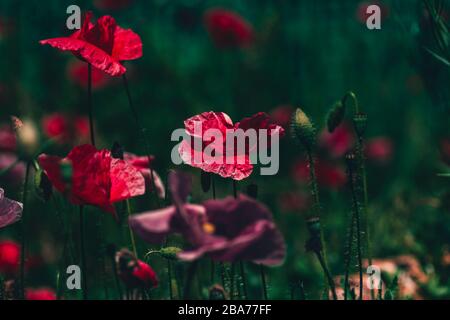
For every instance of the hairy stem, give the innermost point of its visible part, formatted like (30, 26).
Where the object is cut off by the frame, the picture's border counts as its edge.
(23, 232)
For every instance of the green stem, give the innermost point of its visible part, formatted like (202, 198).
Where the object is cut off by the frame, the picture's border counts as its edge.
(132, 239)
(244, 280)
(143, 133)
(83, 257)
(327, 274)
(23, 232)
(348, 257)
(263, 281)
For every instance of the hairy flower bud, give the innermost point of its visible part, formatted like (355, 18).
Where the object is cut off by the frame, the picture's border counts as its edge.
(169, 252)
(335, 116)
(303, 130)
(27, 136)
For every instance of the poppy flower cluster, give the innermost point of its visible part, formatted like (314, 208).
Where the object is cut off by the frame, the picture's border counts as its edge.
(103, 45)
(232, 164)
(229, 229)
(64, 129)
(228, 29)
(93, 177)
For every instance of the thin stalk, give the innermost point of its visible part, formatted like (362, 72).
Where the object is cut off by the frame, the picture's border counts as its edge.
(348, 256)
(317, 207)
(244, 280)
(23, 232)
(263, 281)
(169, 272)
(132, 239)
(358, 234)
(83, 257)
(90, 109)
(143, 133)
(190, 277)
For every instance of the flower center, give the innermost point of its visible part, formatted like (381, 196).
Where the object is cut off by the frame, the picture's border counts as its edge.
(209, 228)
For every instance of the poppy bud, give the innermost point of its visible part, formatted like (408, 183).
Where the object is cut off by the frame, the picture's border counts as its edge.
(303, 130)
(117, 151)
(134, 272)
(169, 253)
(205, 179)
(44, 188)
(252, 191)
(360, 123)
(335, 116)
(27, 136)
(217, 292)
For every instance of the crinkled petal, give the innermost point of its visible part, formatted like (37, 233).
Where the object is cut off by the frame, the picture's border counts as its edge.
(127, 45)
(126, 181)
(92, 54)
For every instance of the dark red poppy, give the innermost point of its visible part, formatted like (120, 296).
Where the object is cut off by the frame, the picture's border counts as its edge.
(328, 175)
(40, 294)
(282, 115)
(97, 178)
(103, 45)
(78, 73)
(228, 29)
(339, 142)
(134, 272)
(64, 129)
(9, 257)
(143, 165)
(226, 230)
(230, 163)
(379, 149)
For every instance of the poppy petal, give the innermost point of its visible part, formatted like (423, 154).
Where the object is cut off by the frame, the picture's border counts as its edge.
(10, 210)
(126, 181)
(127, 45)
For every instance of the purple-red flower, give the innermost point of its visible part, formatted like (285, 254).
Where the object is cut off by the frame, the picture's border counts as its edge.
(103, 45)
(96, 177)
(10, 210)
(226, 230)
(228, 29)
(232, 164)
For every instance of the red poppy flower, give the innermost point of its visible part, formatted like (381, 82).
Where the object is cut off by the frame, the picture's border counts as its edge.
(133, 272)
(338, 142)
(143, 164)
(282, 115)
(228, 29)
(9, 257)
(328, 175)
(379, 149)
(40, 294)
(63, 129)
(97, 178)
(232, 164)
(103, 45)
(78, 73)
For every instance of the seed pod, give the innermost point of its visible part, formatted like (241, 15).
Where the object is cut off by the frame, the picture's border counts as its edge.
(43, 186)
(205, 179)
(117, 151)
(335, 116)
(360, 123)
(303, 130)
(217, 292)
(169, 253)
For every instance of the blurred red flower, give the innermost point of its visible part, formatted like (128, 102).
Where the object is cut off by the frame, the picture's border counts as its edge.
(9, 257)
(294, 201)
(103, 45)
(379, 149)
(77, 71)
(237, 166)
(64, 129)
(328, 175)
(7, 139)
(96, 177)
(40, 294)
(228, 29)
(338, 142)
(112, 4)
(282, 115)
